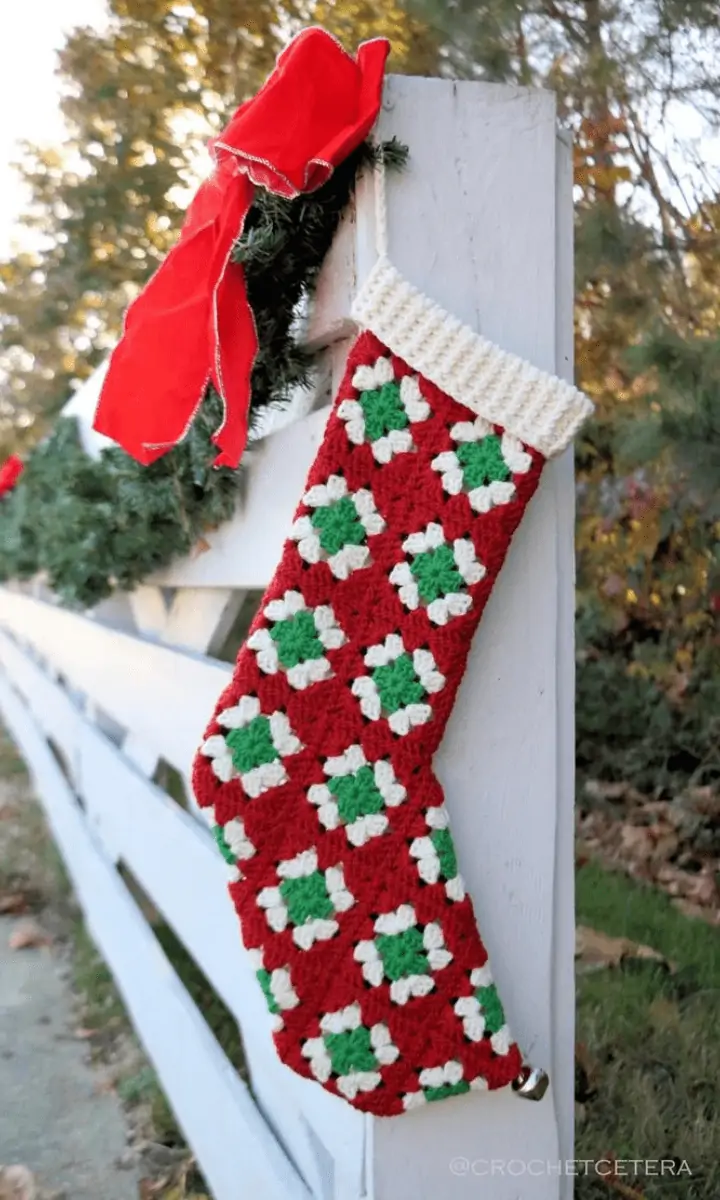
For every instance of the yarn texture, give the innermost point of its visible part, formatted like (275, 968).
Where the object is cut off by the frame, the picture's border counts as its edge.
(316, 769)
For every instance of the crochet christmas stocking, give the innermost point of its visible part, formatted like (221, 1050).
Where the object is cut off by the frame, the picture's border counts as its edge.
(316, 769)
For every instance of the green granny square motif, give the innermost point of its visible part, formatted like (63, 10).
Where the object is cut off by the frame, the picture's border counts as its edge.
(223, 846)
(351, 1051)
(307, 898)
(403, 953)
(338, 525)
(383, 410)
(398, 684)
(263, 978)
(356, 795)
(445, 849)
(483, 462)
(252, 745)
(492, 1009)
(297, 639)
(436, 573)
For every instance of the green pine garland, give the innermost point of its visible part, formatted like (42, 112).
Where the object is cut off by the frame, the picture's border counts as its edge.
(91, 526)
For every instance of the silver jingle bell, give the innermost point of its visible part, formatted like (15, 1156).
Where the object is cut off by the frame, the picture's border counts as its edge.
(532, 1083)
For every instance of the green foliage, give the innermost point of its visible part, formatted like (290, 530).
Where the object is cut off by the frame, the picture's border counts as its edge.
(648, 1063)
(637, 718)
(684, 420)
(95, 525)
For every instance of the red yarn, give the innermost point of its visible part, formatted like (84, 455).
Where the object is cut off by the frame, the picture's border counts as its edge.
(281, 823)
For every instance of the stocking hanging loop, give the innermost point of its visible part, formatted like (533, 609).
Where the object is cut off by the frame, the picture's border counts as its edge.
(381, 213)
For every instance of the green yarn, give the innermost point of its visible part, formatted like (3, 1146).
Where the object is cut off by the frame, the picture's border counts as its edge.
(263, 978)
(223, 846)
(482, 462)
(492, 1009)
(351, 1051)
(338, 525)
(445, 849)
(252, 746)
(357, 795)
(398, 685)
(446, 1089)
(403, 953)
(307, 898)
(383, 410)
(297, 639)
(436, 573)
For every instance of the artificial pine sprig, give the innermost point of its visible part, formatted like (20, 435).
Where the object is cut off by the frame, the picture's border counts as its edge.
(91, 526)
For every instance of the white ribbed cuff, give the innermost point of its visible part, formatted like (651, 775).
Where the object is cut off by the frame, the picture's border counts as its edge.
(541, 410)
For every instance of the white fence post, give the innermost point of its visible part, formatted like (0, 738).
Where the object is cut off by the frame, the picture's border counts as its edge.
(481, 220)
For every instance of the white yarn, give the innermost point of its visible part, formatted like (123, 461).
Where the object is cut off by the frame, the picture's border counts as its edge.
(427, 671)
(481, 977)
(342, 1021)
(381, 217)
(385, 652)
(405, 719)
(538, 408)
(435, 1077)
(402, 990)
(402, 919)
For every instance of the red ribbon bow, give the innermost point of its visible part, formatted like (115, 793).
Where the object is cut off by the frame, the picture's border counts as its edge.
(10, 472)
(192, 323)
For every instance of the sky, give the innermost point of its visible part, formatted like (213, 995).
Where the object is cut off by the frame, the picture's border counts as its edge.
(28, 87)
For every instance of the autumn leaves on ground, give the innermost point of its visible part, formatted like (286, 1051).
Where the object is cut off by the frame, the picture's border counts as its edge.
(636, 84)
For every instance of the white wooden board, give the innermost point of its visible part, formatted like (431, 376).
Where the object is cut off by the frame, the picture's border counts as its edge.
(232, 1141)
(164, 847)
(164, 695)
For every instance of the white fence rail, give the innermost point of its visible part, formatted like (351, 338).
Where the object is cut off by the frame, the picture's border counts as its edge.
(481, 220)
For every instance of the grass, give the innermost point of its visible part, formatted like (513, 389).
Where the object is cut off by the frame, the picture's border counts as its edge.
(650, 1044)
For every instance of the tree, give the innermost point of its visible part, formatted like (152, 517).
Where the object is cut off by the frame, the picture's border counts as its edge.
(415, 46)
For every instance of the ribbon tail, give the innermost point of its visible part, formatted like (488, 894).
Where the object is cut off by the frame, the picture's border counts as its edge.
(233, 337)
(159, 369)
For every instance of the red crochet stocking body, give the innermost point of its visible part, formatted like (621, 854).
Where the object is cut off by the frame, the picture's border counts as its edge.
(317, 765)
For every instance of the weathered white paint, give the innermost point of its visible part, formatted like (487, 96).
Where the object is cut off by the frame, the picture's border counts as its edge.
(481, 220)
